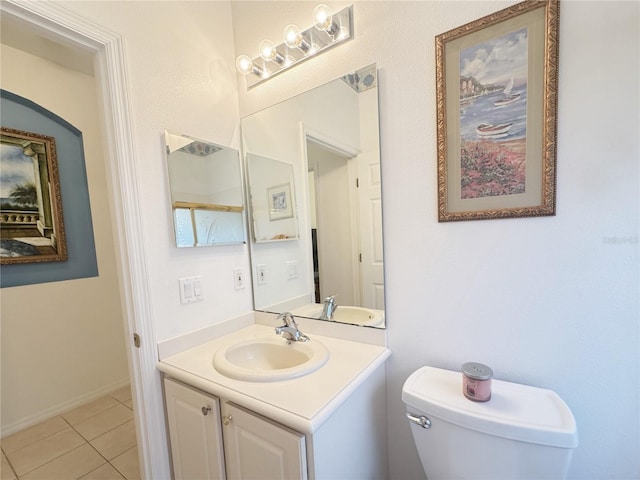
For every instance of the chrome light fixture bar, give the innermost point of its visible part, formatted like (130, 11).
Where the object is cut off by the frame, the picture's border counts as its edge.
(328, 30)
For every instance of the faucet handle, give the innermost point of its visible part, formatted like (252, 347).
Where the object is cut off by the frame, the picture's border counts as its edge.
(290, 329)
(288, 319)
(331, 298)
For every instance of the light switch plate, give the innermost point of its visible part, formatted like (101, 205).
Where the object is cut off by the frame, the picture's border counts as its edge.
(292, 269)
(191, 289)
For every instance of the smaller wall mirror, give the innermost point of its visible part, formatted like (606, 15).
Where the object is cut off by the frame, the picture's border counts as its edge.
(273, 209)
(206, 192)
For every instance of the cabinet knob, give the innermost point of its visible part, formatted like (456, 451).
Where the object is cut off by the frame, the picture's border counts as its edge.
(226, 420)
(206, 410)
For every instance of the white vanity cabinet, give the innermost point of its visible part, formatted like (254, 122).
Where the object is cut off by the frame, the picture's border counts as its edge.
(201, 438)
(326, 425)
(195, 432)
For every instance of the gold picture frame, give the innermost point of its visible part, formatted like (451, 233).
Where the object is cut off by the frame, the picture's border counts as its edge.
(31, 220)
(496, 89)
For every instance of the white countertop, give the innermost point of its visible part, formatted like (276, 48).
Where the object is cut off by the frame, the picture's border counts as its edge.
(303, 403)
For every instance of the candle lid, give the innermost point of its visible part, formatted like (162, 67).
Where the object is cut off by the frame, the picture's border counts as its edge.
(477, 371)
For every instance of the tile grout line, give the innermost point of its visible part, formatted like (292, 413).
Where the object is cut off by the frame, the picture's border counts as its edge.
(43, 438)
(18, 477)
(85, 440)
(116, 468)
(96, 450)
(109, 461)
(10, 464)
(106, 459)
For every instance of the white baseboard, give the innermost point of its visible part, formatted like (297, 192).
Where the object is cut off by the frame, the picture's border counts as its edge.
(63, 407)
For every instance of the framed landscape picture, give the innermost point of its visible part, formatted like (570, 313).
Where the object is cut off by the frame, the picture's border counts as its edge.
(31, 222)
(496, 87)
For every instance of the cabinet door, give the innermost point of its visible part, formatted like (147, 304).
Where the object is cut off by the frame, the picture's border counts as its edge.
(195, 434)
(256, 448)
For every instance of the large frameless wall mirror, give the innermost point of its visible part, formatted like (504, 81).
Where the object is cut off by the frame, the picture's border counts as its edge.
(328, 139)
(206, 192)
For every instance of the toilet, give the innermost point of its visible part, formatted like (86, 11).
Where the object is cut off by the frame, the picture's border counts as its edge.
(522, 432)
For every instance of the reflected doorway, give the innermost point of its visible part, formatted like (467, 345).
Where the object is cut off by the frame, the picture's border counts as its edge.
(334, 222)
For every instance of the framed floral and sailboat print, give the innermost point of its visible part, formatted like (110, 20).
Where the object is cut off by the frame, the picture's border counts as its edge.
(496, 83)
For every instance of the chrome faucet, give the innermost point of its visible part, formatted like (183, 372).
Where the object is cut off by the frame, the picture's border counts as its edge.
(290, 329)
(329, 306)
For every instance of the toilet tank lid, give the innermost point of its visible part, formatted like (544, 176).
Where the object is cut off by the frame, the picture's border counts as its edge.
(515, 411)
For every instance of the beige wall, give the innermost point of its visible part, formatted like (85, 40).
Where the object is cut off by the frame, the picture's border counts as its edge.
(62, 342)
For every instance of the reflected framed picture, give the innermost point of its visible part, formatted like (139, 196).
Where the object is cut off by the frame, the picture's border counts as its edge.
(31, 220)
(496, 90)
(279, 198)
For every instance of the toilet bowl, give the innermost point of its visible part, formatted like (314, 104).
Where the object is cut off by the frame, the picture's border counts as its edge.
(523, 432)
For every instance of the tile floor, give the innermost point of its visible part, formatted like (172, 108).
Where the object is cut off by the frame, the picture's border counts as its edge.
(96, 441)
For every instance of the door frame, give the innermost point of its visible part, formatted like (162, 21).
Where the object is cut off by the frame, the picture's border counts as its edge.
(57, 23)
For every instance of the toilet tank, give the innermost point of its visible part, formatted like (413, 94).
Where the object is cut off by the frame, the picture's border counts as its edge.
(523, 432)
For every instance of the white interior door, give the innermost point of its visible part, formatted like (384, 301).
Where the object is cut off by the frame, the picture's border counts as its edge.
(371, 248)
(335, 224)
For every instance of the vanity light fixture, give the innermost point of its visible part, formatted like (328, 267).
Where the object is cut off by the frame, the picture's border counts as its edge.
(329, 29)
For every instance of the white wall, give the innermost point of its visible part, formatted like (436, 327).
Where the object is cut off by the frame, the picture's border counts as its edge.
(551, 302)
(62, 342)
(181, 68)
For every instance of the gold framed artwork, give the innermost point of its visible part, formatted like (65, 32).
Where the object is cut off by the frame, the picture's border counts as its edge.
(496, 88)
(31, 220)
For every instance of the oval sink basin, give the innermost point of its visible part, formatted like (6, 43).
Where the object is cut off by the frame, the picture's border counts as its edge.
(270, 359)
(347, 314)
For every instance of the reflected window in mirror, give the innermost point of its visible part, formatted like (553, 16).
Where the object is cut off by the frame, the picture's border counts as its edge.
(330, 137)
(205, 180)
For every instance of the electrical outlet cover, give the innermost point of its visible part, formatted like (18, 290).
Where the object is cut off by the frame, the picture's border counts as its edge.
(238, 278)
(261, 274)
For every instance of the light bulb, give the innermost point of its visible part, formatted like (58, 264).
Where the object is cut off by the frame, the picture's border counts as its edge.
(244, 64)
(294, 39)
(323, 20)
(322, 17)
(291, 34)
(269, 52)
